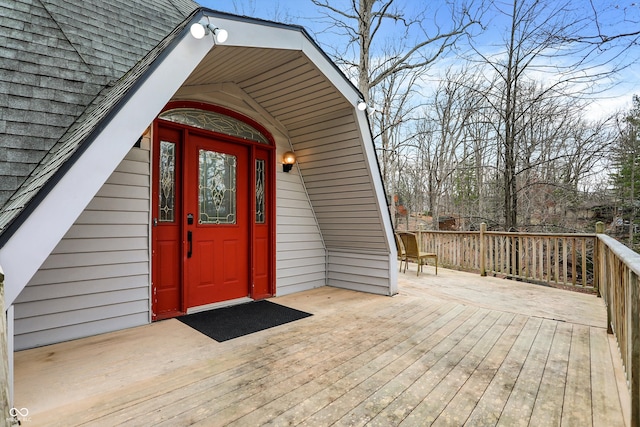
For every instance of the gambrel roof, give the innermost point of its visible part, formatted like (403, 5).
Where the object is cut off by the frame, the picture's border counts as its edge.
(65, 65)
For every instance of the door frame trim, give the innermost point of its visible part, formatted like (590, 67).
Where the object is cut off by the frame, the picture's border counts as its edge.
(270, 205)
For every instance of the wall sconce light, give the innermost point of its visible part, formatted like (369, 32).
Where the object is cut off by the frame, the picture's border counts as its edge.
(288, 159)
(201, 29)
(362, 105)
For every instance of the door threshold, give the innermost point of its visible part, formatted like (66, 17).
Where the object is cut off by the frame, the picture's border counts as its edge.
(220, 304)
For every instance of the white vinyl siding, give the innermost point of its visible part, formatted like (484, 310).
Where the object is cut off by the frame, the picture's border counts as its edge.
(359, 272)
(339, 185)
(300, 252)
(97, 278)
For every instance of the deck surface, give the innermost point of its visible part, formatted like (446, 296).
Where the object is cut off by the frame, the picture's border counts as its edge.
(448, 350)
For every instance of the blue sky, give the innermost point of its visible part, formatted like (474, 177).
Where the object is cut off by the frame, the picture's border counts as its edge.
(299, 12)
(290, 11)
(304, 13)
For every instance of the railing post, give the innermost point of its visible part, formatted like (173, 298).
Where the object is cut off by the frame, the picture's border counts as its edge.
(596, 257)
(483, 267)
(633, 342)
(5, 416)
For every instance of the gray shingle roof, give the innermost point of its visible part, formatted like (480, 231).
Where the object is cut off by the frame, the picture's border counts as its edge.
(63, 65)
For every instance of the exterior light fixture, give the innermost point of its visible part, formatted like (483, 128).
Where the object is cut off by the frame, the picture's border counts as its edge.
(288, 159)
(220, 35)
(201, 29)
(362, 105)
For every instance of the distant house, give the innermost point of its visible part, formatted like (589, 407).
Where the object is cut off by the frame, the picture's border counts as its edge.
(141, 170)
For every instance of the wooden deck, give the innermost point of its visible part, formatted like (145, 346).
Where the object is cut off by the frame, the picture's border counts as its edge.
(451, 350)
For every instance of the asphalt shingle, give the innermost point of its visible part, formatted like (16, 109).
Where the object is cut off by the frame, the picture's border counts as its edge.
(62, 65)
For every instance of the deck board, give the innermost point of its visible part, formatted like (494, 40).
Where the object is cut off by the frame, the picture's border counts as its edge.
(605, 411)
(331, 402)
(279, 373)
(490, 406)
(329, 376)
(448, 350)
(577, 408)
(547, 409)
(323, 390)
(460, 407)
(455, 368)
(433, 405)
(519, 407)
(415, 362)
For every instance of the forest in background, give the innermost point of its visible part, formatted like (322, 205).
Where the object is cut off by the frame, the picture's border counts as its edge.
(483, 111)
(495, 111)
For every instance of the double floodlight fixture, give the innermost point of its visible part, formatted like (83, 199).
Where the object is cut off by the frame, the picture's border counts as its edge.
(201, 29)
(363, 106)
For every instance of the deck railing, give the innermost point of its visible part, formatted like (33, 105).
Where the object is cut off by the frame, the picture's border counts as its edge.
(587, 261)
(557, 259)
(618, 271)
(6, 418)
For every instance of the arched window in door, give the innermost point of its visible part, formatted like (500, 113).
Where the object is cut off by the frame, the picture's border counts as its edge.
(215, 122)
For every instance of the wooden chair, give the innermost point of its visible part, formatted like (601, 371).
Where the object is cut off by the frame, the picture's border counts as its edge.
(400, 246)
(412, 251)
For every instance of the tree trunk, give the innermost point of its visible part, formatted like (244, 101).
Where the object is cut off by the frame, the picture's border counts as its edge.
(364, 33)
(510, 194)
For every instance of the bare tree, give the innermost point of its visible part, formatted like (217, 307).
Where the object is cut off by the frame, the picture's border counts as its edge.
(388, 48)
(441, 137)
(626, 162)
(389, 120)
(615, 26)
(507, 142)
(418, 37)
(536, 54)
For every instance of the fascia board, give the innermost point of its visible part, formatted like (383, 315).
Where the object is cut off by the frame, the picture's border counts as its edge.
(36, 238)
(335, 76)
(249, 34)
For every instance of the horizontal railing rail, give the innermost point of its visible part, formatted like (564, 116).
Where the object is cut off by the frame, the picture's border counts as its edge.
(554, 259)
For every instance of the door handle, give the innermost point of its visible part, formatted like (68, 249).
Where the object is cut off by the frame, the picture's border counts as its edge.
(190, 242)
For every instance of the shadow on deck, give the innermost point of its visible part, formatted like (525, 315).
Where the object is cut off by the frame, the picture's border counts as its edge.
(448, 350)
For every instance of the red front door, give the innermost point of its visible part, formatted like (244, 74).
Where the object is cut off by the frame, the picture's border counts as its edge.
(212, 233)
(217, 221)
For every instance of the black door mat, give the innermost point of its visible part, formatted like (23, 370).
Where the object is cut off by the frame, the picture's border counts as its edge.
(227, 323)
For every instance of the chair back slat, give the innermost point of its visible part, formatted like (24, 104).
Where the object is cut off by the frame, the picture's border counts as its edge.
(410, 241)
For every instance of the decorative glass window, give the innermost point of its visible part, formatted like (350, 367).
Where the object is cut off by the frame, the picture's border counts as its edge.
(167, 196)
(260, 194)
(217, 188)
(216, 122)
